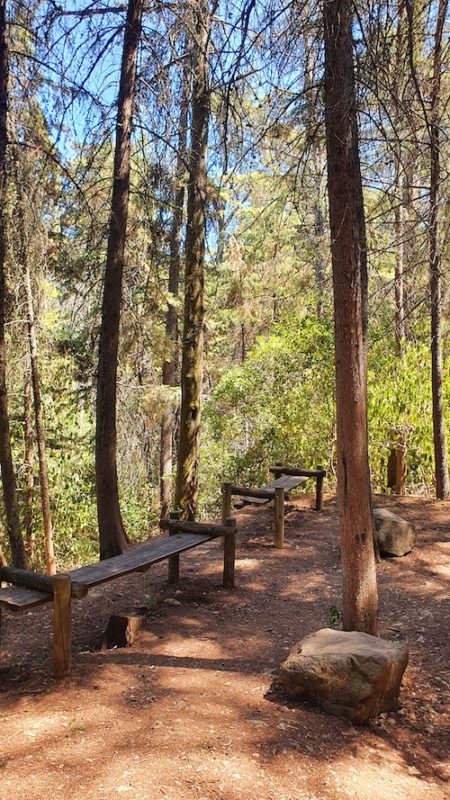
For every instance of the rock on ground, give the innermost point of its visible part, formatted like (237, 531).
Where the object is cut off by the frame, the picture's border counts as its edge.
(348, 674)
(395, 536)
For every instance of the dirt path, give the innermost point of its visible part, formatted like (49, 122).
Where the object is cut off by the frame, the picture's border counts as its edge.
(190, 713)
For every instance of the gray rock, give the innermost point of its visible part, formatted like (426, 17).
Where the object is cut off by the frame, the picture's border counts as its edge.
(348, 674)
(395, 536)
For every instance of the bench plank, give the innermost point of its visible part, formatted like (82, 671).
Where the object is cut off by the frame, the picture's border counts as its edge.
(286, 482)
(153, 551)
(144, 555)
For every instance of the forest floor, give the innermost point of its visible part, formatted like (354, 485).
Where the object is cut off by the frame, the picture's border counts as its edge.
(191, 712)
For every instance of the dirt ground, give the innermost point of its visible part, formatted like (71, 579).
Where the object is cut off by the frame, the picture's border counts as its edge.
(191, 712)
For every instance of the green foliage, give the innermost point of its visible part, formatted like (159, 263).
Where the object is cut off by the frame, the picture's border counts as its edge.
(277, 406)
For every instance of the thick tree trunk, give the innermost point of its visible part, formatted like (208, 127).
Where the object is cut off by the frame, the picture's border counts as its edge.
(192, 349)
(439, 435)
(170, 365)
(113, 539)
(349, 258)
(6, 462)
(40, 429)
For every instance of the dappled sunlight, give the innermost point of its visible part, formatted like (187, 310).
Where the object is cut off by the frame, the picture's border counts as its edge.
(193, 704)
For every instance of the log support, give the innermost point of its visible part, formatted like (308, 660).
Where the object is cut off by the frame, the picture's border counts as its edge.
(229, 553)
(279, 518)
(174, 561)
(226, 502)
(319, 487)
(62, 625)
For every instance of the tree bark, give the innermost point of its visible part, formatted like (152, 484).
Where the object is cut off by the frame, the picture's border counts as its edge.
(30, 538)
(349, 260)
(192, 347)
(439, 435)
(170, 365)
(39, 422)
(113, 540)
(6, 461)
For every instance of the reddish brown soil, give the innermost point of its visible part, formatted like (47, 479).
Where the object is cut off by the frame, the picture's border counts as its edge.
(190, 712)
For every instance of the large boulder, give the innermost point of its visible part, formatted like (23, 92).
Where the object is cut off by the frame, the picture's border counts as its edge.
(395, 536)
(348, 674)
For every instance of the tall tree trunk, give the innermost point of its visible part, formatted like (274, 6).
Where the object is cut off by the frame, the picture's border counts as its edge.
(40, 429)
(170, 365)
(349, 259)
(440, 444)
(6, 462)
(29, 467)
(316, 160)
(192, 348)
(37, 397)
(113, 540)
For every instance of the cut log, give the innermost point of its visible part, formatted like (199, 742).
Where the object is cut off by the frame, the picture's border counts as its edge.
(122, 630)
(38, 581)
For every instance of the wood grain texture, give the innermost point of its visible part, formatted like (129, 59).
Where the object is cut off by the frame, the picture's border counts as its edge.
(286, 482)
(62, 626)
(18, 599)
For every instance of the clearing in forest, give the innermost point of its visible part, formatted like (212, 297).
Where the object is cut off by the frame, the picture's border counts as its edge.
(192, 711)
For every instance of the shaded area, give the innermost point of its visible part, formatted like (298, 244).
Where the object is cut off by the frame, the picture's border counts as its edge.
(193, 711)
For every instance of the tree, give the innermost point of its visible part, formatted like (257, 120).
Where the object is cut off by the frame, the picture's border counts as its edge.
(113, 539)
(170, 365)
(349, 261)
(192, 345)
(6, 460)
(435, 122)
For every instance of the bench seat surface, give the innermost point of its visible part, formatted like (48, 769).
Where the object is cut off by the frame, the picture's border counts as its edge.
(17, 598)
(287, 482)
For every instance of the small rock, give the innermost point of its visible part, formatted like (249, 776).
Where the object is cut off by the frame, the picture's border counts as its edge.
(170, 601)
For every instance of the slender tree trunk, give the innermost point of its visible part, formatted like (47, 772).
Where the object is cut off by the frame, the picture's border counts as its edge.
(400, 194)
(317, 157)
(170, 365)
(399, 264)
(192, 350)
(29, 466)
(113, 539)
(440, 444)
(40, 429)
(349, 259)
(6, 462)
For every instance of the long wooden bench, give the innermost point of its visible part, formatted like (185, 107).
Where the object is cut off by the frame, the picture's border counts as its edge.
(29, 589)
(286, 479)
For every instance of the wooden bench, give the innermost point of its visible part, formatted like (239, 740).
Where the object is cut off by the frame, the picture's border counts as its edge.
(286, 479)
(31, 589)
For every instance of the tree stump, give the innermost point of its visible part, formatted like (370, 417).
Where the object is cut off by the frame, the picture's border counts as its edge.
(122, 630)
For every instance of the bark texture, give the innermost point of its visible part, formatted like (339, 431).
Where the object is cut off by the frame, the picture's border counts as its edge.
(439, 435)
(192, 347)
(29, 466)
(39, 423)
(170, 365)
(6, 461)
(113, 539)
(348, 246)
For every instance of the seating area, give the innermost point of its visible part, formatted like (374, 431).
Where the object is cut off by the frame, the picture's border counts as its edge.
(28, 589)
(285, 480)
(24, 589)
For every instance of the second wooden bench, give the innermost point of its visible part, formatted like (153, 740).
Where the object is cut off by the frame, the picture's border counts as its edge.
(286, 479)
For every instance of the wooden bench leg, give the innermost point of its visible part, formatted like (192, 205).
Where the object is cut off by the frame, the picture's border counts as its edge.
(226, 502)
(229, 553)
(279, 517)
(319, 490)
(62, 625)
(174, 561)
